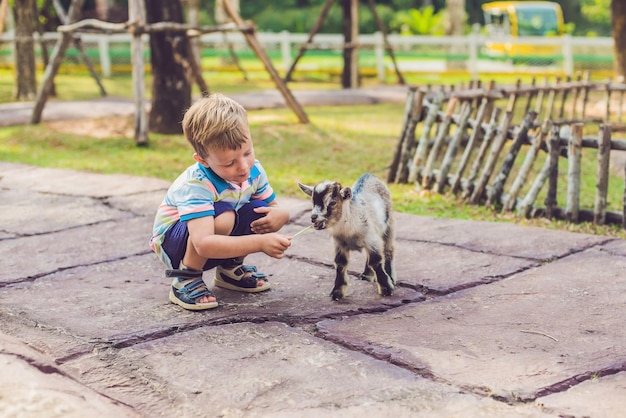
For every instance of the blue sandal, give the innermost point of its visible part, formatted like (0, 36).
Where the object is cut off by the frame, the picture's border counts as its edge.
(240, 278)
(187, 288)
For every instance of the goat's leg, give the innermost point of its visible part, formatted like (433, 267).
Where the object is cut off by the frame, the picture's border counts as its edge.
(341, 277)
(385, 281)
(389, 264)
(368, 274)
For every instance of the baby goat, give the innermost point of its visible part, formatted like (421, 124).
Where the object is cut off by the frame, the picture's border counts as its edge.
(358, 218)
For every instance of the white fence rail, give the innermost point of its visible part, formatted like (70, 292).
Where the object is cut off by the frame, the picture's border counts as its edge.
(417, 53)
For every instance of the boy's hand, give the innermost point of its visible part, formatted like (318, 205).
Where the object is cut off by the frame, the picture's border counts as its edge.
(275, 245)
(273, 220)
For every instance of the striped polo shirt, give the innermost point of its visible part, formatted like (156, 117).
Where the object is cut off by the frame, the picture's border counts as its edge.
(193, 194)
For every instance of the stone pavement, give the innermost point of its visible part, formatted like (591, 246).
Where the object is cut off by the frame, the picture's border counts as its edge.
(489, 319)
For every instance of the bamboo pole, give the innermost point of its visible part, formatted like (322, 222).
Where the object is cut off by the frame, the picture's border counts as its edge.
(507, 165)
(442, 179)
(553, 171)
(575, 96)
(442, 133)
(602, 174)
(620, 103)
(55, 62)
(574, 157)
(552, 99)
(531, 94)
(141, 28)
(79, 46)
(254, 44)
(4, 6)
(540, 96)
(137, 13)
(413, 112)
(524, 170)
(564, 94)
(585, 98)
(528, 201)
(388, 47)
(514, 96)
(475, 136)
(423, 143)
(316, 28)
(607, 98)
(490, 132)
(492, 158)
(397, 156)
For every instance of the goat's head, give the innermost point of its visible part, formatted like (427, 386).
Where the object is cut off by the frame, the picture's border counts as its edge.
(328, 198)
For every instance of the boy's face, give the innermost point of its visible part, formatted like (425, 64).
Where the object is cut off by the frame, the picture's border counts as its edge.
(231, 165)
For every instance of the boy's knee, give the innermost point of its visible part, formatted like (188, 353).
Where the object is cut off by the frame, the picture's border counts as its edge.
(246, 215)
(225, 222)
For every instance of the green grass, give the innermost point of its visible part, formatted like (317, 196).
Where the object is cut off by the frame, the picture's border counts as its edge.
(340, 143)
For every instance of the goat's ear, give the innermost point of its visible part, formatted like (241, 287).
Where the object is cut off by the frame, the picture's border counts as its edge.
(346, 193)
(308, 190)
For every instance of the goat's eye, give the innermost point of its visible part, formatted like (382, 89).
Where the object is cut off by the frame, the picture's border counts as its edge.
(332, 204)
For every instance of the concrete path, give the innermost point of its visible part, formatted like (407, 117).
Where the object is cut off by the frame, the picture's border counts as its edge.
(489, 319)
(20, 113)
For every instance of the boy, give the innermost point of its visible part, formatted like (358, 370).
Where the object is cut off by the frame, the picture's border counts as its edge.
(218, 210)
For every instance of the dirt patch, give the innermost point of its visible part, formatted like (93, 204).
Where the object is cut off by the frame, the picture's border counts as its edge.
(109, 127)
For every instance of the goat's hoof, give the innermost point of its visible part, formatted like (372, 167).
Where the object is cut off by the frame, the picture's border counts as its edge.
(368, 277)
(337, 294)
(386, 291)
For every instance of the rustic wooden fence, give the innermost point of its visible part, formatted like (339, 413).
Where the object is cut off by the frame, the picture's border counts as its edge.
(499, 146)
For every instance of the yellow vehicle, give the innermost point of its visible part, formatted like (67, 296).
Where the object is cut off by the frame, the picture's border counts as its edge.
(507, 20)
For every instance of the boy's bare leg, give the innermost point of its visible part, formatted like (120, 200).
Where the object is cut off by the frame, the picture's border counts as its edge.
(223, 226)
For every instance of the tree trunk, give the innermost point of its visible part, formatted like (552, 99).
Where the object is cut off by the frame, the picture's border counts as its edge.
(171, 70)
(45, 56)
(618, 20)
(350, 75)
(26, 83)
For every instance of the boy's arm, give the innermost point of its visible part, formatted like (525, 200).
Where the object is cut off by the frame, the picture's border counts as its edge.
(274, 219)
(207, 244)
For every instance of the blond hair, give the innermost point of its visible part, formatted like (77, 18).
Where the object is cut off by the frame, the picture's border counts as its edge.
(215, 122)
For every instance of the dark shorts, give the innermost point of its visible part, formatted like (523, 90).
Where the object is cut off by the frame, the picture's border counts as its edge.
(175, 243)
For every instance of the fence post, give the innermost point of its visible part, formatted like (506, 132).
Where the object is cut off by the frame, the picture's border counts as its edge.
(495, 194)
(105, 58)
(574, 155)
(379, 49)
(602, 175)
(285, 49)
(473, 41)
(554, 150)
(568, 55)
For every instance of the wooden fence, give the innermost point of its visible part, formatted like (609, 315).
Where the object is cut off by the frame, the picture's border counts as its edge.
(499, 146)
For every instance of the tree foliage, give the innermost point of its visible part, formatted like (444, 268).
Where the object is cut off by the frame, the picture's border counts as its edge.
(419, 22)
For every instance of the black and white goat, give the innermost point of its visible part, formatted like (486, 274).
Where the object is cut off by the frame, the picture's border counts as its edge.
(358, 218)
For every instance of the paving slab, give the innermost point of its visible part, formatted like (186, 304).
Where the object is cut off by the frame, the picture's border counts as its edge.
(598, 397)
(429, 267)
(72, 247)
(127, 300)
(271, 369)
(511, 339)
(488, 319)
(497, 238)
(31, 385)
(24, 212)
